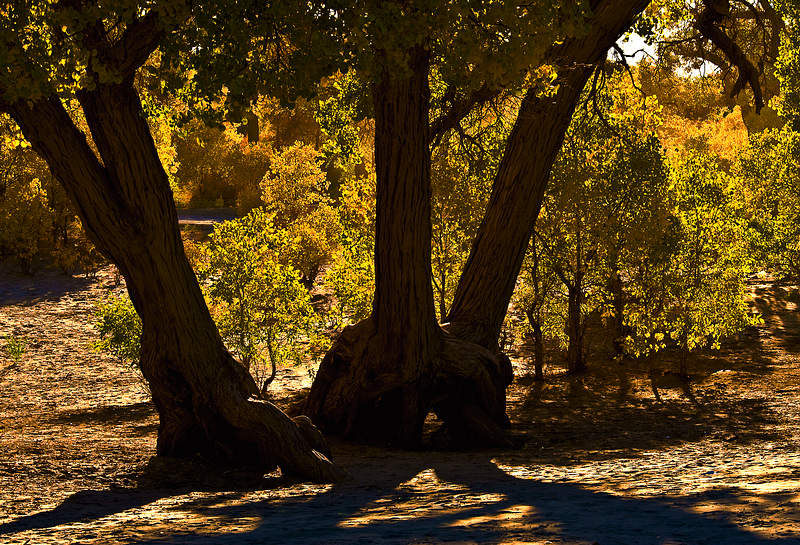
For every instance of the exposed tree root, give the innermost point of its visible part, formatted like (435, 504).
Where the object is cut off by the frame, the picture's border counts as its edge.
(364, 392)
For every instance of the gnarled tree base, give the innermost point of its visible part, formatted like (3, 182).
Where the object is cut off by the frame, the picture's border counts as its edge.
(365, 391)
(228, 425)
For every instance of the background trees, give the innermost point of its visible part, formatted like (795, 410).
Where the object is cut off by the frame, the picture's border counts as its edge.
(768, 169)
(606, 205)
(38, 225)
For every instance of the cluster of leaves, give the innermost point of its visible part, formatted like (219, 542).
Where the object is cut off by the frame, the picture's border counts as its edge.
(294, 191)
(769, 171)
(693, 292)
(351, 276)
(217, 168)
(787, 69)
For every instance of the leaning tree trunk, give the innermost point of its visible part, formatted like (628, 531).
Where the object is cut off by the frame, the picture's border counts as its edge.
(384, 375)
(490, 274)
(206, 401)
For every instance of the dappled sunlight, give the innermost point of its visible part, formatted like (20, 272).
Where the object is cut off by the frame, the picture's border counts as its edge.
(411, 500)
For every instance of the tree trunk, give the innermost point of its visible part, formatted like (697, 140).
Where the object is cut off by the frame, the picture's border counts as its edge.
(384, 375)
(618, 317)
(487, 282)
(538, 352)
(576, 361)
(538, 345)
(205, 399)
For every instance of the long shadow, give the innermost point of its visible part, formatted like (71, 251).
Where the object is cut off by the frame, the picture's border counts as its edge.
(116, 414)
(559, 511)
(590, 420)
(163, 478)
(556, 511)
(21, 289)
(83, 506)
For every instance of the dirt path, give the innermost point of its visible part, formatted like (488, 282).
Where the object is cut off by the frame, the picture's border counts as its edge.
(603, 463)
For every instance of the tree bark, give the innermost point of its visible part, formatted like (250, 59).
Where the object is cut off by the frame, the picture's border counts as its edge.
(487, 282)
(205, 399)
(576, 361)
(616, 289)
(537, 338)
(384, 375)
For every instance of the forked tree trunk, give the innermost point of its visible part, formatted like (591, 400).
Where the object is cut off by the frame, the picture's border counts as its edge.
(205, 399)
(384, 375)
(487, 282)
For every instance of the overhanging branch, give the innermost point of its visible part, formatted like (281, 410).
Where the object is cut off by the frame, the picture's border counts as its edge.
(708, 24)
(458, 109)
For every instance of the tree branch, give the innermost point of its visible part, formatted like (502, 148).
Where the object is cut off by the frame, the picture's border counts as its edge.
(458, 110)
(136, 43)
(707, 23)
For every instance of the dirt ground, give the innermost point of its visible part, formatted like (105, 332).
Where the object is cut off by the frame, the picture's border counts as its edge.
(602, 462)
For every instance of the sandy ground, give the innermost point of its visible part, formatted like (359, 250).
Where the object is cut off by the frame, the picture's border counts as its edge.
(602, 463)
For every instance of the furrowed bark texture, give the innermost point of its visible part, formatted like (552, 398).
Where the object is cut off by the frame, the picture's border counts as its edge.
(205, 399)
(487, 282)
(384, 375)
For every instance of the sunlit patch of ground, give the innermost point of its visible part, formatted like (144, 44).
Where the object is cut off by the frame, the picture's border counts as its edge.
(602, 462)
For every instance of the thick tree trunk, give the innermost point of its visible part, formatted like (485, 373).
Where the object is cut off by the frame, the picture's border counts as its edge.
(490, 274)
(205, 399)
(487, 282)
(384, 375)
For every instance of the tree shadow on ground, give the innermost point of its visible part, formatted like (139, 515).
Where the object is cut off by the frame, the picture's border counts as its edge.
(595, 417)
(109, 415)
(27, 290)
(566, 421)
(611, 411)
(477, 502)
(161, 478)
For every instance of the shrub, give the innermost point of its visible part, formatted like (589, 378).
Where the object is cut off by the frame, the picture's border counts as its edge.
(120, 329)
(15, 347)
(262, 309)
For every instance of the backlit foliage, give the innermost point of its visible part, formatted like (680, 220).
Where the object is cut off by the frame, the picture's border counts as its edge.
(38, 226)
(261, 308)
